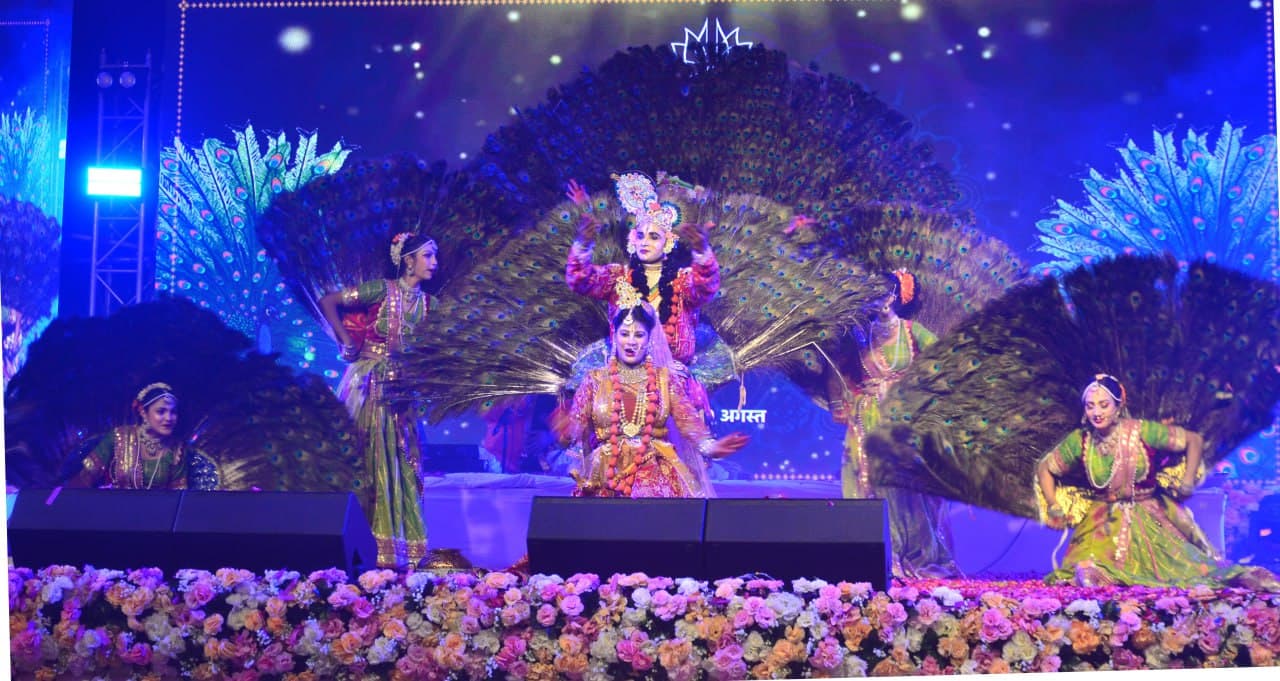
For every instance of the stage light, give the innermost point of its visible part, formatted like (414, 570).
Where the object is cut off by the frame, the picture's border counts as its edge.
(104, 80)
(114, 182)
(128, 80)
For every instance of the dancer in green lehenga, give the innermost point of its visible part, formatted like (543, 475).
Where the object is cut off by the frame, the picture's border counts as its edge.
(371, 322)
(1131, 527)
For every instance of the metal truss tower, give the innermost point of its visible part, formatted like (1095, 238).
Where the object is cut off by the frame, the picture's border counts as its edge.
(118, 257)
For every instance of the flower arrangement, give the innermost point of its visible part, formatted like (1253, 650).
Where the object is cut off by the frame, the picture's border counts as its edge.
(231, 624)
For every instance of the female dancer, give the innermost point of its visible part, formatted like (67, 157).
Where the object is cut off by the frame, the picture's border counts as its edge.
(381, 315)
(147, 455)
(920, 533)
(623, 416)
(1133, 529)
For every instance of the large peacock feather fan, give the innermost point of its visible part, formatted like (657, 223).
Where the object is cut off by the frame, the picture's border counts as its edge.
(739, 123)
(29, 249)
(512, 326)
(211, 198)
(978, 408)
(1215, 203)
(336, 232)
(264, 425)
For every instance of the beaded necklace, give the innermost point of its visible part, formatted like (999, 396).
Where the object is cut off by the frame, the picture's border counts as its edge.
(621, 425)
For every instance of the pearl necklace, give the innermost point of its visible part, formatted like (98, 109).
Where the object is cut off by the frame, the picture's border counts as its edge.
(1106, 445)
(149, 449)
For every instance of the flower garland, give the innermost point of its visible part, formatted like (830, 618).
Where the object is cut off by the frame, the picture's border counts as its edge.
(622, 481)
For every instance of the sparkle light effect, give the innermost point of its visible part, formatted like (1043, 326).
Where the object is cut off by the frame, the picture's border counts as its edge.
(555, 59)
(722, 39)
(895, 56)
(912, 12)
(513, 16)
(294, 39)
(984, 32)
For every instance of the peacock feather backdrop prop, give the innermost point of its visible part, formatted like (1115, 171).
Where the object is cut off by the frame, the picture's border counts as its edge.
(211, 198)
(1216, 203)
(30, 246)
(29, 162)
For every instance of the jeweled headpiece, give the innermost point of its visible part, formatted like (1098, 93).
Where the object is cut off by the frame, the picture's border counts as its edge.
(638, 197)
(1109, 383)
(397, 245)
(165, 390)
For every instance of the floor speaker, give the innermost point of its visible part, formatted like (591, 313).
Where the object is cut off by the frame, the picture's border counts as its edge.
(568, 535)
(103, 528)
(173, 530)
(831, 539)
(258, 531)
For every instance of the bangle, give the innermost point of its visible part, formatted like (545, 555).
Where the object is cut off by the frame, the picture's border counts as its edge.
(1056, 510)
(704, 447)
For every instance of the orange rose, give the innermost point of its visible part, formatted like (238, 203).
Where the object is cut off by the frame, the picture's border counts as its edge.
(277, 625)
(954, 648)
(254, 621)
(1083, 638)
(999, 666)
(394, 629)
(971, 625)
(1261, 655)
(572, 665)
(346, 648)
(885, 668)
(1173, 641)
(713, 628)
(45, 674)
(855, 633)
(672, 653)
(1143, 638)
(540, 671)
(212, 624)
(1050, 634)
(275, 607)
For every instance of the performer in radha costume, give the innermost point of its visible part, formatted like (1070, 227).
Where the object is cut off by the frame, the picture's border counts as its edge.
(920, 534)
(382, 316)
(658, 243)
(1133, 530)
(147, 455)
(623, 416)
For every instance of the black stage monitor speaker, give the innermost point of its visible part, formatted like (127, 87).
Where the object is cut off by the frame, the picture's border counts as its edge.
(830, 539)
(258, 531)
(118, 529)
(569, 535)
(172, 530)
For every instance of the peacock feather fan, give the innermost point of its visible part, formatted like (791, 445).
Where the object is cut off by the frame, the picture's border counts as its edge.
(264, 425)
(336, 232)
(739, 122)
(1218, 203)
(978, 408)
(30, 244)
(29, 163)
(211, 198)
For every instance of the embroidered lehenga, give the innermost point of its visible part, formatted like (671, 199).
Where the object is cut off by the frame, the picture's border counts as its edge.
(1129, 530)
(391, 315)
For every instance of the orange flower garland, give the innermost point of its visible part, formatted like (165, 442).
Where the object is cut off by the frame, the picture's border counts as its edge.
(621, 481)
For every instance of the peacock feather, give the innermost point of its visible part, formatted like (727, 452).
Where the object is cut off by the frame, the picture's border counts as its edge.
(264, 425)
(211, 199)
(30, 244)
(1215, 203)
(29, 162)
(978, 408)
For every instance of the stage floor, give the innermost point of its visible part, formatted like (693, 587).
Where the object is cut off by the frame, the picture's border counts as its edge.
(486, 516)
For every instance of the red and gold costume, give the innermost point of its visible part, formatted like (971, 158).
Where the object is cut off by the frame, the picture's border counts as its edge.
(623, 418)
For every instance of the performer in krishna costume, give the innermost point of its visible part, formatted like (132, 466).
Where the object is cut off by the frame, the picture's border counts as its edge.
(147, 455)
(975, 414)
(623, 417)
(920, 534)
(1133, 528)
(657, 245)
(382, 316)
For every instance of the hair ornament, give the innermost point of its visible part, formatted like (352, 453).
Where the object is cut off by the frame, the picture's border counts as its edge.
(397, 245)
(906, 285)
(165, 391)
(639, 198)
(1099, 381)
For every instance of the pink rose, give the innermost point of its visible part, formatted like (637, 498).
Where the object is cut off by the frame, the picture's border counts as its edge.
(514, 614)
(571, 605)
(828, 654)
(274, 660)
(928, 611)
(199, 594)
(546, 614)
(995, 626)
(1049, 664)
